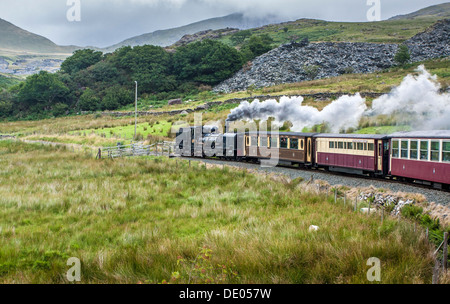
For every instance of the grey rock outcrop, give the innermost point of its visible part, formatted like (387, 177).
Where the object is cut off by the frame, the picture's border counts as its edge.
(173, 102)
(433, 43)
(297, 62)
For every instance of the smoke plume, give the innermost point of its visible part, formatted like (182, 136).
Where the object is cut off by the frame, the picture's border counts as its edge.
(418, 96)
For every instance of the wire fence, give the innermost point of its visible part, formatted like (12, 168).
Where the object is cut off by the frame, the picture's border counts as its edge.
(165, 148)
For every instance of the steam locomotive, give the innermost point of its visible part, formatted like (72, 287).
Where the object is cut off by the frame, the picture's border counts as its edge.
(419, 156)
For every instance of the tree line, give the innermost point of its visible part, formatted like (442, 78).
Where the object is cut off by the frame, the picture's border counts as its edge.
(90, 80)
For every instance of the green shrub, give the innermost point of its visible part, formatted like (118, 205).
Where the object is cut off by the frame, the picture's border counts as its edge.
(311, 71)
(402, 56)
(60, 109)
(89, 101)
(412, 211)
(429, 222)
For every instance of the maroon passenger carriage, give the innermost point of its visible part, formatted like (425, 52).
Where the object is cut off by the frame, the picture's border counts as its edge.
(421, 156)
(353, 153)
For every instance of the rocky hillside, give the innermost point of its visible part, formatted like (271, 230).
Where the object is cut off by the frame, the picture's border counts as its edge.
(296, 62)
(432, 43)
(203, 35)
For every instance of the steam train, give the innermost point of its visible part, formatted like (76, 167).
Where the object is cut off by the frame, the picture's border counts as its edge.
(420, 156)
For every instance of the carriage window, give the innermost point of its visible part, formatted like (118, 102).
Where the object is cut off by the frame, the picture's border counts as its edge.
(435, 151)
(371, 147)
(302, 144)
(331, 144)
(404, 150)
(263, 141)
(247, 141)
(340, 145)
(254, 141)
(283, 142)
(350, 146)
(413, 149)
(424, 149)
(294, 144)
(365, 146)
(395, 148)
(273, 142)
(360, 146)
(446, 151)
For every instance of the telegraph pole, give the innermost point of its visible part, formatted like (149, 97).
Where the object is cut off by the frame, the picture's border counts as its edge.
(135, 115)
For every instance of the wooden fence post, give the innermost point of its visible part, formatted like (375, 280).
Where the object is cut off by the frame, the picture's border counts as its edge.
(445, 252)
(335, 195)
(435, 279)
(345, 199)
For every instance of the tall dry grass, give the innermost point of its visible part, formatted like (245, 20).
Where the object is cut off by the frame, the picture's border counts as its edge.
(130, 220)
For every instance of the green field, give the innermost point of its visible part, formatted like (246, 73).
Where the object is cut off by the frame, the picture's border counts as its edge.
(158, 128)
(133, 220)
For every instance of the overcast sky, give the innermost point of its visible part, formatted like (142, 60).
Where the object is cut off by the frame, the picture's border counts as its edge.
(106, 22)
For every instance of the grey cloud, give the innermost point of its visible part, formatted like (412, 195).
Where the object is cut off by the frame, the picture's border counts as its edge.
(105, 22)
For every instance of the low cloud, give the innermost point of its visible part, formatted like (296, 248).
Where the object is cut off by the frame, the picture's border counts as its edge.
(106, 22)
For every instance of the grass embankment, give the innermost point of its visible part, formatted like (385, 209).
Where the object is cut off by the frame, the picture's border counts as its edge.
(131, 220)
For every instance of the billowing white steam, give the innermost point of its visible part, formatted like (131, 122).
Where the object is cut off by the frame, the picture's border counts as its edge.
(342, 113)
(417, 95)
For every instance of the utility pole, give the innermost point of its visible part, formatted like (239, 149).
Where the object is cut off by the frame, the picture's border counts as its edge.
(135, 116)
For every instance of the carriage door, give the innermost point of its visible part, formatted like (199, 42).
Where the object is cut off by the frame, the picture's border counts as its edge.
(308, 150)
(386, 154)
(380, 155)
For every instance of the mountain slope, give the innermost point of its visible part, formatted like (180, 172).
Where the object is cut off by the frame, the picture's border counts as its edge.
(395, 30)
(440, 11)
(170, 36)
(15, 39)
